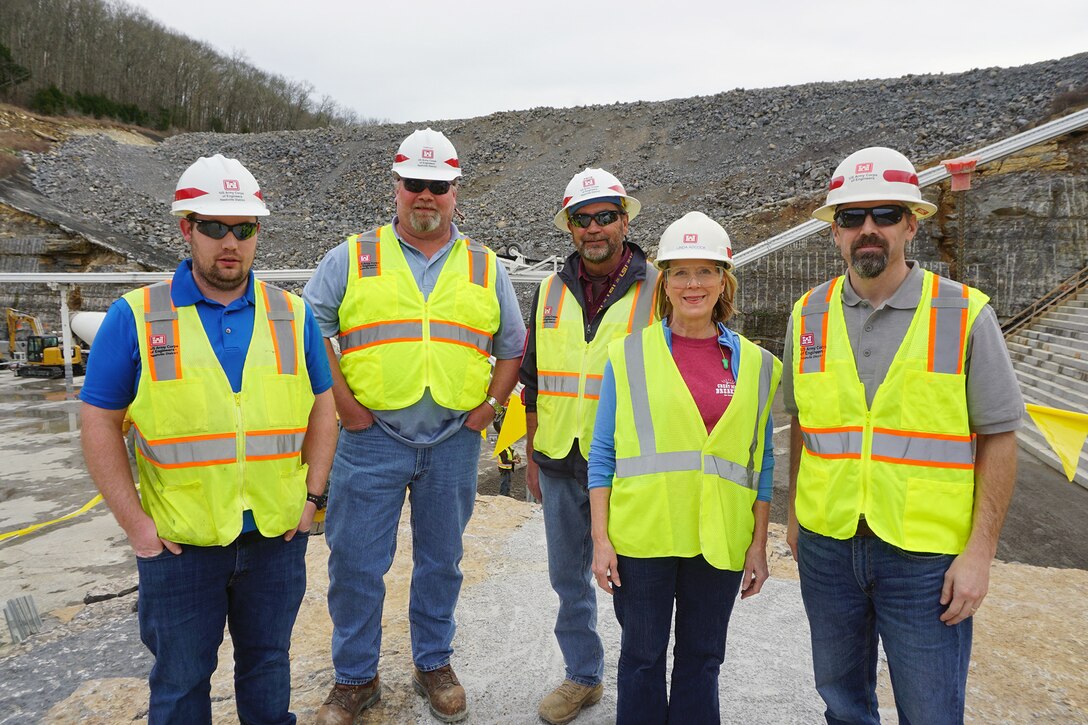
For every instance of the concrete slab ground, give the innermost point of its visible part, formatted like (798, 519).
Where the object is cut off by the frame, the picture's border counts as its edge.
(89, 666)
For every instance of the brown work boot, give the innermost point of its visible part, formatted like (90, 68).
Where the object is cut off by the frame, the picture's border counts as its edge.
(345, 702)
(565, 702)
(443, 692)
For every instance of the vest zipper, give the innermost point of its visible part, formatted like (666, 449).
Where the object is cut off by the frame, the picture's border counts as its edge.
(866, 459)
(240, 448)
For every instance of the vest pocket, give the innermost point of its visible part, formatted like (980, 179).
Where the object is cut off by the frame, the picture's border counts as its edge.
(817, 395)
(934, 402)
(179, 406)
(281, 401)
(937, 516)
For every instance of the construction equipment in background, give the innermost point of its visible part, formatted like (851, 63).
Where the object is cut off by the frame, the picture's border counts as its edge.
(34, 353)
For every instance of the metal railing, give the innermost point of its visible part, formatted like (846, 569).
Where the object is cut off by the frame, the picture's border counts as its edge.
(1039, 307)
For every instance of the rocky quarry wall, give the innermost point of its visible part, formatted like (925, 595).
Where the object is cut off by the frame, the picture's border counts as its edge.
(757, 160)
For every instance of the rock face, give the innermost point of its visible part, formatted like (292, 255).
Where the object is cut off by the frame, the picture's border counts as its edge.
(756, 160)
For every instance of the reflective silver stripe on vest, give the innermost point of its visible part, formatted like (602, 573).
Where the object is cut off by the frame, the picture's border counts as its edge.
(183, 453)
(552, 301)
(559, 384)
(380, 333)
(162, 345)
(899, 447)
(281, 319)
(833, 444)
(593, 386)
(651, 461)
(814, 315)
(274, 444)
(459, 333)
(643, 313)
(368, 250)
(477, 263)
(949, 318)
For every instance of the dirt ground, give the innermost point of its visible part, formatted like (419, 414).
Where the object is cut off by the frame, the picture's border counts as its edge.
(88, 665)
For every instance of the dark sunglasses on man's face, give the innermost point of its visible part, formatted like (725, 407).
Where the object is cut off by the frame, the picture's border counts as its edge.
(218, 230)
(438, 188)
(883, 216)
(603, 218)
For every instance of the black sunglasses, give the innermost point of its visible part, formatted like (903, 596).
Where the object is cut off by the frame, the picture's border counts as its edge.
(218, 230)
(883, 216)
(603, 218)
(438, 188)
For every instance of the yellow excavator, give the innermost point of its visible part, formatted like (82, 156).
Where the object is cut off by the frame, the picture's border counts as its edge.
(44, 358)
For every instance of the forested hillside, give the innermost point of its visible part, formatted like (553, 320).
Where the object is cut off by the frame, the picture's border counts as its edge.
(105, 58)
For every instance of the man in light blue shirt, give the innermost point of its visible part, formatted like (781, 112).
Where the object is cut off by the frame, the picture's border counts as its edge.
(425, 448)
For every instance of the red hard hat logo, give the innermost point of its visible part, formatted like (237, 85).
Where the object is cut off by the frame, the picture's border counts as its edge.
(866, 168)
(427, 154)
(588, 181)
(231, 185)
(691, 238)
(157, 340)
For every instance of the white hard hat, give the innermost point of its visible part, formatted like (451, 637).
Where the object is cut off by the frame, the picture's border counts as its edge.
(594, 184)
(427, 154)
(695, 236)
(218, 185)
(874, 174)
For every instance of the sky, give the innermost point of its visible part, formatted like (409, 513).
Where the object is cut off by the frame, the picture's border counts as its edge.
(427, 60)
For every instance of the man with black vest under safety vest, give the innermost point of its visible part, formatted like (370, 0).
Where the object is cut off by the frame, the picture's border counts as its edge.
(226, 381)
(902, 454)
(604, 292)
(417, 309)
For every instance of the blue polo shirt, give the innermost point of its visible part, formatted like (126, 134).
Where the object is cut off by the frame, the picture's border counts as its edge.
(113, 368)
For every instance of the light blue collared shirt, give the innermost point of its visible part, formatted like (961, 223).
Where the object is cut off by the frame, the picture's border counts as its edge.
(424, 423)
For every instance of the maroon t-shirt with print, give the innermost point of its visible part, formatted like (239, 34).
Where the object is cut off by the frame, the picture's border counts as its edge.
(708, 371)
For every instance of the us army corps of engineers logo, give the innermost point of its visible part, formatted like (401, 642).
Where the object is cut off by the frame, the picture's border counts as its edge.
(809, 349)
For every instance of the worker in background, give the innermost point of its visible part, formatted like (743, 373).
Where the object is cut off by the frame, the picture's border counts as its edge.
(680, 473)
(508, 458)
(227, 383)
(603, 292)
(416, 308)
(902, 454)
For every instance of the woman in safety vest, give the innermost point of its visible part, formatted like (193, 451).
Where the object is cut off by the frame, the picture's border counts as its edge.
(680, 473)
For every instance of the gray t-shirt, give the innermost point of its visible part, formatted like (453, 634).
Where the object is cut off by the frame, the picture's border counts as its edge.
(994, 403)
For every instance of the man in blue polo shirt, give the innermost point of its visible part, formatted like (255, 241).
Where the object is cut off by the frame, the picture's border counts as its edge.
(227, 384)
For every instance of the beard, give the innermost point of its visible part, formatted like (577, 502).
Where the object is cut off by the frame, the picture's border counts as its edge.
(596, 253)
(424, 221)
(869, 264)
(224, 280)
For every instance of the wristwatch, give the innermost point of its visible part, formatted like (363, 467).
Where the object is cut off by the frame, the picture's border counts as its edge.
(319, 501)
(500, 409)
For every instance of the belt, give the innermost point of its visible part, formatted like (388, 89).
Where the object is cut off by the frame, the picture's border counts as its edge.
(863, 528)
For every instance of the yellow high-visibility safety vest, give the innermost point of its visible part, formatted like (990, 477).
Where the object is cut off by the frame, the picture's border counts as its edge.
(907, 464)
(679, 491)
(205, 453)
(569, 369)
(394, 344)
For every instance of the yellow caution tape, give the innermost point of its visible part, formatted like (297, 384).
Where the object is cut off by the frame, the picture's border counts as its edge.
(34, 527)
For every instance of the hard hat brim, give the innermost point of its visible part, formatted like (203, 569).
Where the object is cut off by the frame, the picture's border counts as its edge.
(696, 254)
(631, 205)
(920, 209)
(405, 171)
(192, 206)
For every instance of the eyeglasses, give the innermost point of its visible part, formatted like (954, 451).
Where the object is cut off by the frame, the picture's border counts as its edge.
(416, 186)
(218, 230)
(603, 218)
(883, 216)
(701, 276)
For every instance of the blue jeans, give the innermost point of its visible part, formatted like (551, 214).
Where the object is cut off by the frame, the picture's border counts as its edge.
(570, 555)
(371, 473)
(255, 586)
(859, 589)
(704, 599)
